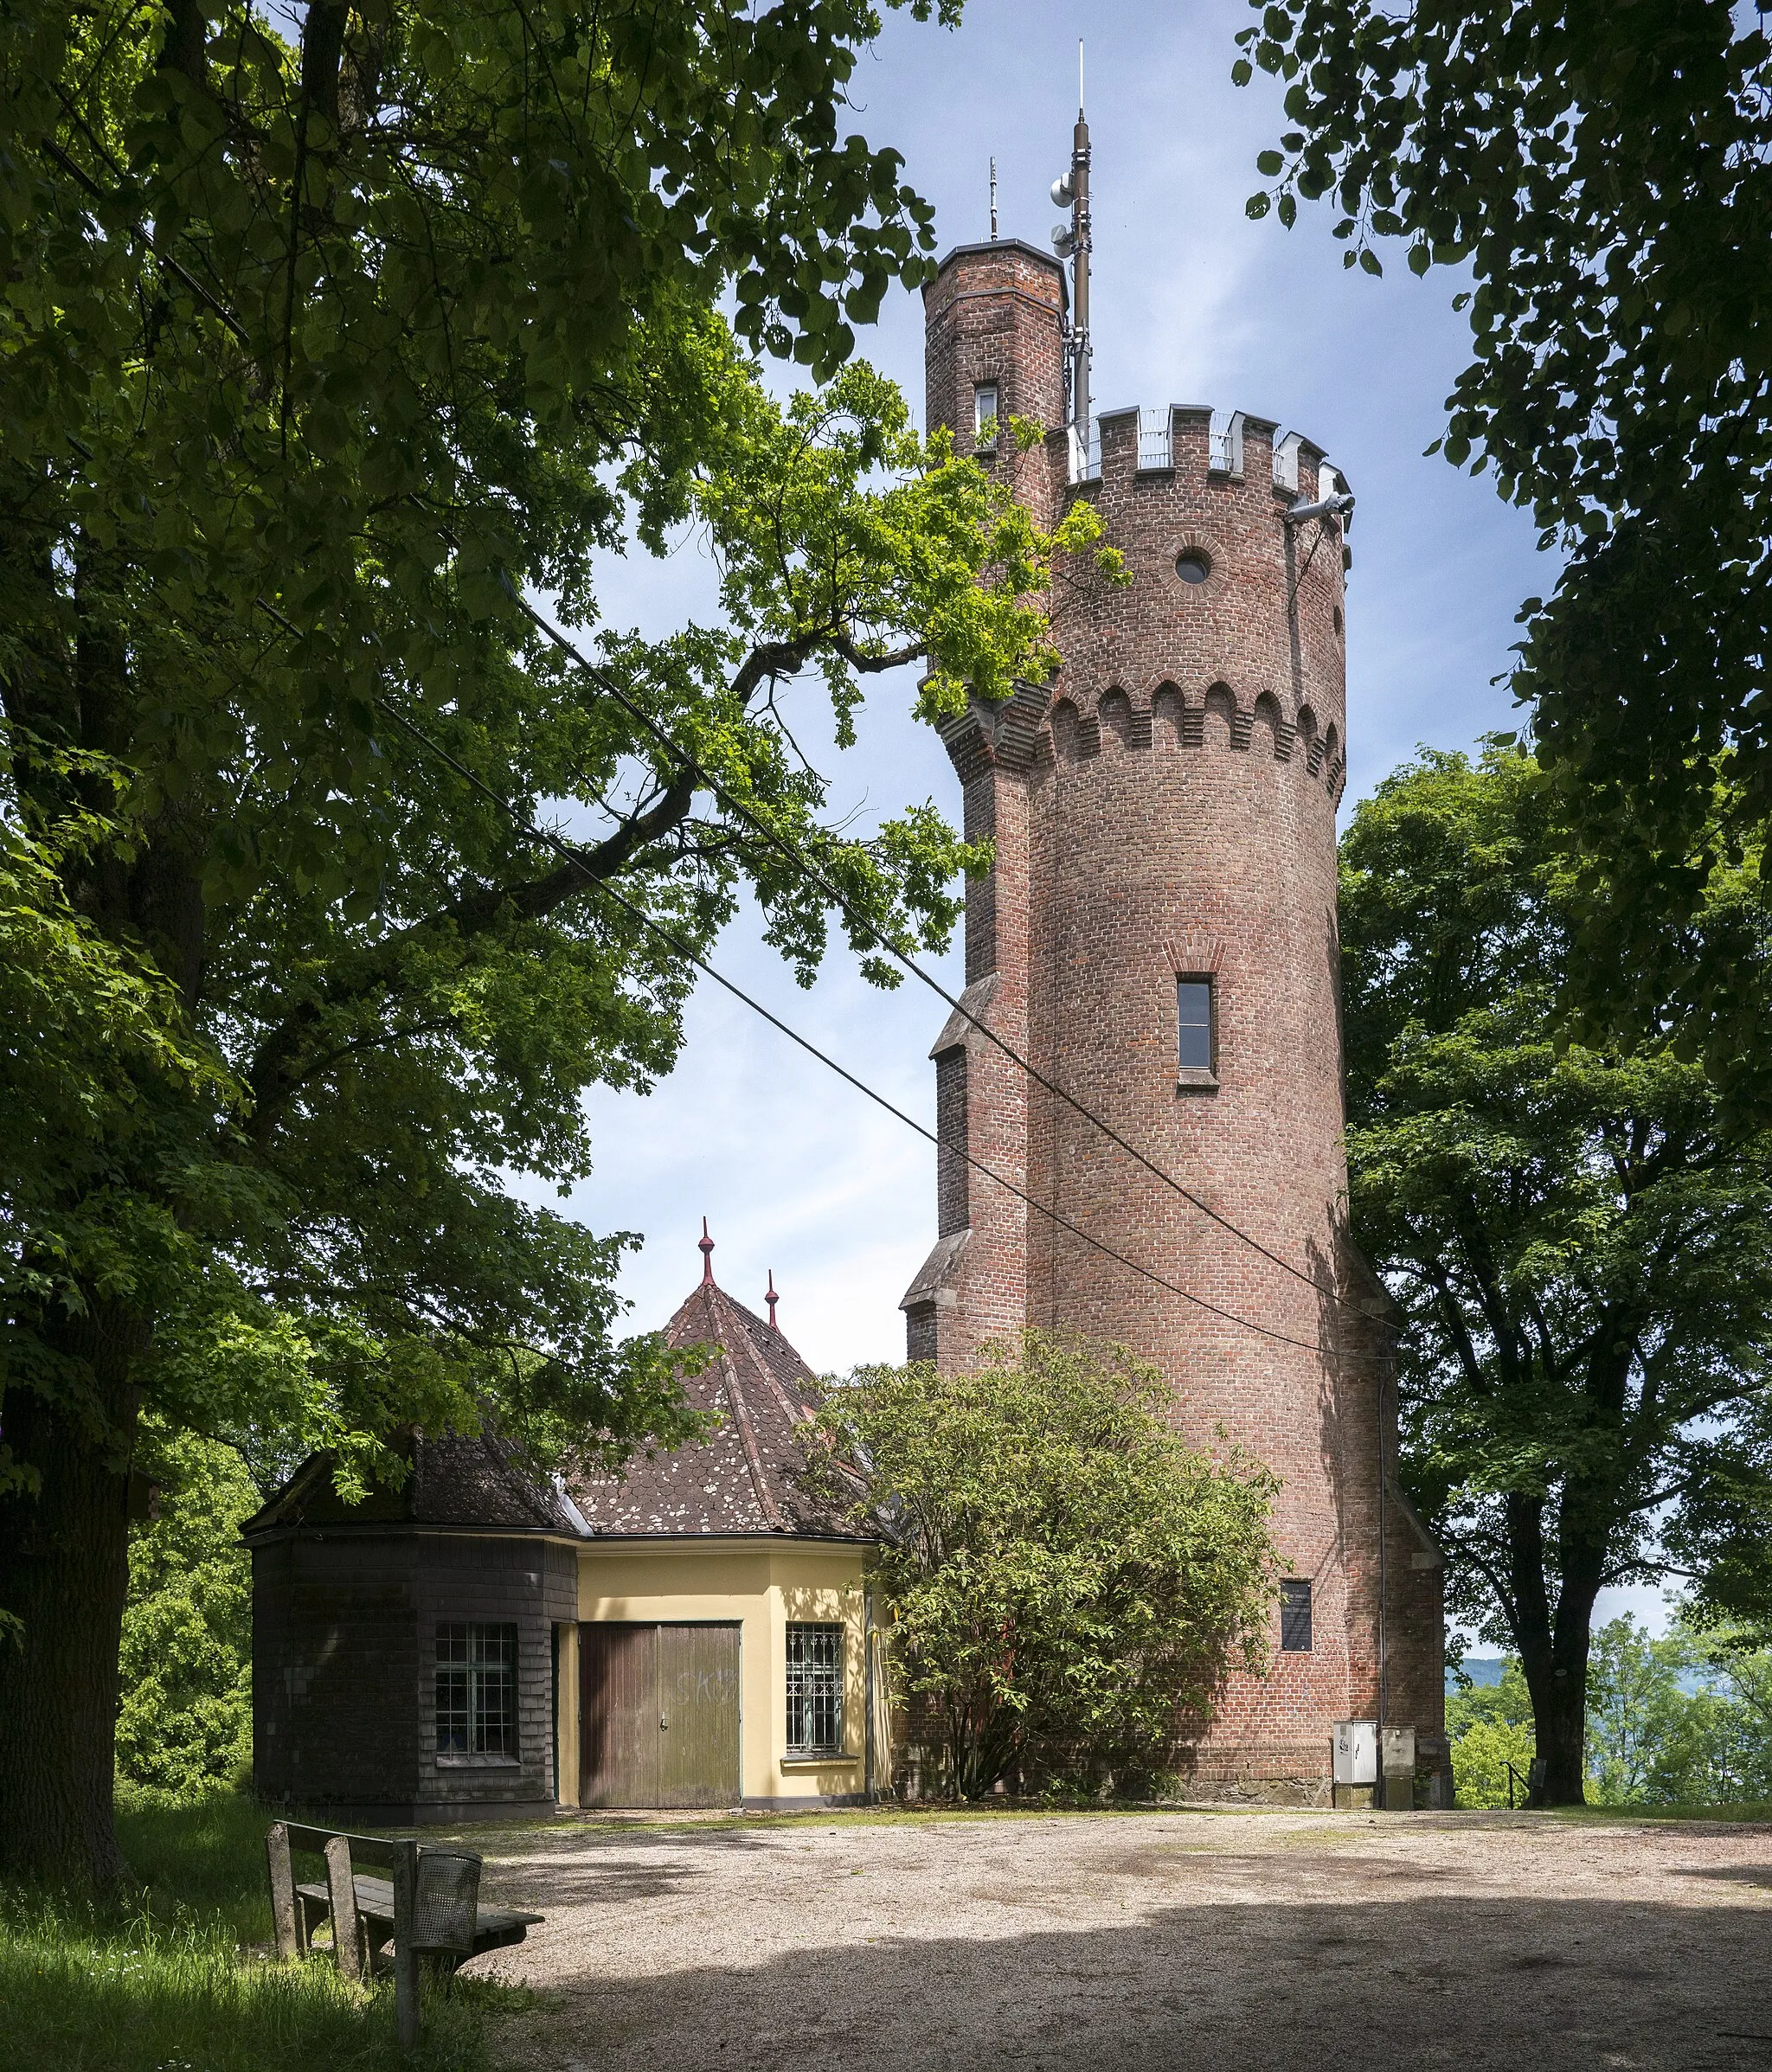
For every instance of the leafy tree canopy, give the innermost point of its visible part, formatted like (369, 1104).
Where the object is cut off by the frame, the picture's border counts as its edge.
(184, 1725)
(328, 338)
(1605, 170)
(1583, 1255)
(1069, 1583)
(1490, 1727)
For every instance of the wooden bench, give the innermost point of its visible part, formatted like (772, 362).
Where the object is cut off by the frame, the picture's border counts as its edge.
(428, 1908)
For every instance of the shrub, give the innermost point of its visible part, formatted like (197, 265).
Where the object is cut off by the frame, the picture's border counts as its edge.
(1069, 1583)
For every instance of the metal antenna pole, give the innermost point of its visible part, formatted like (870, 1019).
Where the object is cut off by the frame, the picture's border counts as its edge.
(1080, 261)
(994, 201)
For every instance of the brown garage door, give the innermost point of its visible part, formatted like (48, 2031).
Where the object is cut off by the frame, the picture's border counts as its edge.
(659, 1715)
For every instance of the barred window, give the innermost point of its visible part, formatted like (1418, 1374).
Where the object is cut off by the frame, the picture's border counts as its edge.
(1295, 1617)
(476, 1689)
(814, 1689)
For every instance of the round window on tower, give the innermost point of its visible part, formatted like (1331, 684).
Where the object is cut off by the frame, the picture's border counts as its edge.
(1193, 566)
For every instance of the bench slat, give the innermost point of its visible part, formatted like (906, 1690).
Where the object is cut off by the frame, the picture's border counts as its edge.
(375, 1902)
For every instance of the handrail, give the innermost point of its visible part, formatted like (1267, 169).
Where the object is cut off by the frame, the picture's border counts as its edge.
(1156, 440)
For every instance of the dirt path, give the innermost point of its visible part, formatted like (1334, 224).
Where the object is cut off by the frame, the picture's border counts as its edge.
(1191, 1942)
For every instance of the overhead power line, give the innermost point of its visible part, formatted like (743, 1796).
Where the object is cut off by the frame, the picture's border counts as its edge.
(670, 937)
(606, 683)
(609, 686)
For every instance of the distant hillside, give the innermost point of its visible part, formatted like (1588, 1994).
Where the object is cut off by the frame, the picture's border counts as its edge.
(1480, 1669)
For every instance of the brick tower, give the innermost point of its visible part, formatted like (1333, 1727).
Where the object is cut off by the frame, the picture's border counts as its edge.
(1159, 940)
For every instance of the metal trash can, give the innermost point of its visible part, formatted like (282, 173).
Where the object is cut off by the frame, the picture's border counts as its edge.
(446, 1901)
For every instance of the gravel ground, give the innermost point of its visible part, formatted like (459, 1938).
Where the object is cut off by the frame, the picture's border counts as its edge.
(1258, 1942)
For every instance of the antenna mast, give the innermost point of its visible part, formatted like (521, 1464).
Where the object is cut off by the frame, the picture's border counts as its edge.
(1080, 259)
(1072, 188)
(994, 201)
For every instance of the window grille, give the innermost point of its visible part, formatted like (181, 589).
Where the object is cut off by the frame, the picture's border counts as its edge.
(814, 1689)
(1193, 999)
(476, 1689)
(1295, 1618)
(985, 414)
(1156, 442)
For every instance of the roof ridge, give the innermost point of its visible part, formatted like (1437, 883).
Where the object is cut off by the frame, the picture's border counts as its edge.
(748, 1437)
(797, 1413)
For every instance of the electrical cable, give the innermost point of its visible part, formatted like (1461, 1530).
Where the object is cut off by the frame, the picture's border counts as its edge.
(606, 684)
(676, 943)
(605, 681)
(609, 687)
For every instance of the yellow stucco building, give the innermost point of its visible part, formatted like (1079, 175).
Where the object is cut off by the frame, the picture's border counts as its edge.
(697, 1631)
(716, 1580)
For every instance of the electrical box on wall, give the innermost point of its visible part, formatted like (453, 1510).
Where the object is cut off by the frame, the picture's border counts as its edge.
(1356, 1752)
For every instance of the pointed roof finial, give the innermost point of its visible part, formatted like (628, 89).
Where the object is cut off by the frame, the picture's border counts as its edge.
(772, 1299)
(705, 1246)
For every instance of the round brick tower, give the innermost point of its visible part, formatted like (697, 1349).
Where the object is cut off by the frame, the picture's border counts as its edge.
(1159, 940)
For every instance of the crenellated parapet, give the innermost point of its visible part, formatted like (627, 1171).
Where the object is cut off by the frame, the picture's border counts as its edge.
(1079, 727)
(1189, 440)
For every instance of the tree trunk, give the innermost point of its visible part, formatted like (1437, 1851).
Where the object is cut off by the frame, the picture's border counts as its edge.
(64, 1574)
(1561, 1717)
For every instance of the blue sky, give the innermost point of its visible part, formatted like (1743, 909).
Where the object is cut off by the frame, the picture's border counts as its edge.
(1193, 302)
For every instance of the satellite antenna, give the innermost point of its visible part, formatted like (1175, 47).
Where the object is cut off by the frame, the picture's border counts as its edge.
(994, 201)
(1072, 241)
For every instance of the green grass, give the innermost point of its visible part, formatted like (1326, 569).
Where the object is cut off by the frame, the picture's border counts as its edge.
(1737, 1811)
(175, 1977)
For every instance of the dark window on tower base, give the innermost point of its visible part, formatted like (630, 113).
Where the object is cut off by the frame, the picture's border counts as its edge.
(1197, 1031)
(1295, 1617)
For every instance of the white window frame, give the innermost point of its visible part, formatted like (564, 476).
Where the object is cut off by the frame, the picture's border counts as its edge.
(982, 416)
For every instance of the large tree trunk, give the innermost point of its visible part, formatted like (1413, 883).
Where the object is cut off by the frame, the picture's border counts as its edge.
(1561, 1717)
(1553, 1643)
(64, 1574)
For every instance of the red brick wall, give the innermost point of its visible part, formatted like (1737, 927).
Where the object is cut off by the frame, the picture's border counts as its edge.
(1167, 808)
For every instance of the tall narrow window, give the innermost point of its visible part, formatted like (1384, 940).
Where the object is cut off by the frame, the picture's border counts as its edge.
(1195, 1047)
(953, 1194)
(814, 1689)
(1295, 1617)
(985, 415)
(476, 1689)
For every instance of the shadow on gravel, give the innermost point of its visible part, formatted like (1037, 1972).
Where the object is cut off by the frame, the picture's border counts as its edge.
(1336, 1986)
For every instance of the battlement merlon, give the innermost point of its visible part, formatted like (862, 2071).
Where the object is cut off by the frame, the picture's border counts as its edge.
(1190, 441)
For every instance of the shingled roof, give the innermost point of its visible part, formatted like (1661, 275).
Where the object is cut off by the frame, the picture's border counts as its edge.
(745, 1478)
(455, 1480)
